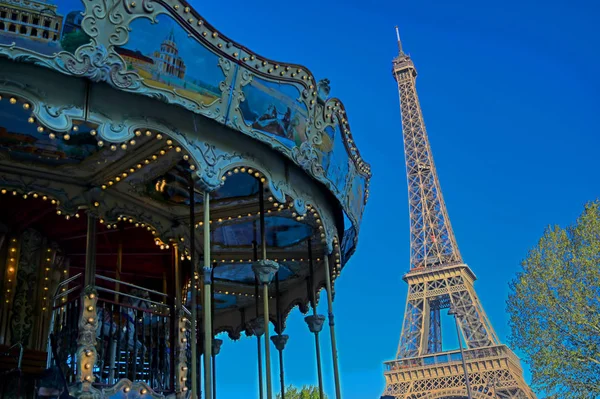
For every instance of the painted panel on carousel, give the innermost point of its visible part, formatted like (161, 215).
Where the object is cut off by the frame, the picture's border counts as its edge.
(335, 158)
(21, 139)
(356, 195)
(243, 273)
(283, 232)
(166, 57)
(43, 26)
(275, 109)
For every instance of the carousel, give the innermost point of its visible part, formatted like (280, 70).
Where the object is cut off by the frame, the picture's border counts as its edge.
(161, 184)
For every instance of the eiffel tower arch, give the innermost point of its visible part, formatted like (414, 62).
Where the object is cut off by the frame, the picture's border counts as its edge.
(439, 282)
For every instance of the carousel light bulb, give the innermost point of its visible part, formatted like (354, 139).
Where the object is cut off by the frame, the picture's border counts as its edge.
(138, 133)
(262, 179)
(144, 391)
(148, 133)
(186, 157)
(123, 146)
(184, 340)
(88, 378)
(193, 167)
(91, 320)
(139, 166)
(11, 269)
(256, 174)
(58, 212)
(126, 389)
(100, 143)
(104, 187)
(177, 149)
(124, 174)
(67, 137)
(250, 171)
(159, 136)
(184, 389)
(3, 191)
(93, 132)
(87, 366)
(169, 142)
(131, 170)
(13, 100)
(88, 353)
(162, 152)
(154, 157)
(243, 170)
(183, 329)
(31, 119)
(40, 129)
(118, 178)
(90, 308)
(184, 379)
(92, 296)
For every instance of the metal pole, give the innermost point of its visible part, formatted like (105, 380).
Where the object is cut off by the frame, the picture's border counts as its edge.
(462, 354)
(176, 336)
(313, 303)
(90, 251)
(263, 242)
(212, 321)
(208, 333)
(258, 342)
(279, 328)
(336, 372)
(194, 310)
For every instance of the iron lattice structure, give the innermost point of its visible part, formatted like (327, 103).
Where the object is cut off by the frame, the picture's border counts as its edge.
(438, 279)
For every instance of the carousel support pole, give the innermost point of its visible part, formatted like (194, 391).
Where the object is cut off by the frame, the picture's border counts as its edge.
(315, 321)
(280, 339)
(215, 350)
(257, 329)
(119, 264)
(336, 372)
(179, 332)
(88, 315)
(265, 270)
(206, 309)
(193, 286)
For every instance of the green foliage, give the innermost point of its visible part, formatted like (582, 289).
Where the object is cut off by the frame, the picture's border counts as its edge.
(307, 392)
(73, 40)
(554, 308)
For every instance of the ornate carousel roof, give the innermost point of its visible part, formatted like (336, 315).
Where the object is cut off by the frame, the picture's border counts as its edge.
(109, 106)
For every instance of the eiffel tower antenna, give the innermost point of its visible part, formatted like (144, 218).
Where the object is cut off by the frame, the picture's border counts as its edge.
(438, 280)
(400, 52)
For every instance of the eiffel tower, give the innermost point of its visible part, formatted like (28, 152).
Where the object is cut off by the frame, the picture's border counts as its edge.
(439, 280)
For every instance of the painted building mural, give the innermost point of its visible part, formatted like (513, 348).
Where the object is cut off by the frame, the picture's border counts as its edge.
(167, 58)
(41, 25)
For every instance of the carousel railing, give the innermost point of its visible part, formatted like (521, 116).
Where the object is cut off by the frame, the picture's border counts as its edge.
(134, 336)
(64, 324)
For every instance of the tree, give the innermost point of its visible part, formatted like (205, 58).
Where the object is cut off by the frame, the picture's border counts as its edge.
(73, 40)
(307, 392)
(554, 308)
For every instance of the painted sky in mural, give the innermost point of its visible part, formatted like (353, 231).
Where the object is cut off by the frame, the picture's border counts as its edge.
(44, 26)
(273, 108)
(21, 140)
(167, 58)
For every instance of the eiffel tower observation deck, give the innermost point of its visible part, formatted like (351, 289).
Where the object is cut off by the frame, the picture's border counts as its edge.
(439, 280)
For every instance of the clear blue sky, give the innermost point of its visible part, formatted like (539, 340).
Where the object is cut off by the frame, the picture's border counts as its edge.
(510, 97)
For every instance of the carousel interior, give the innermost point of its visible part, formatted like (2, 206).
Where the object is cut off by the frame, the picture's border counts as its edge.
(138, 275)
